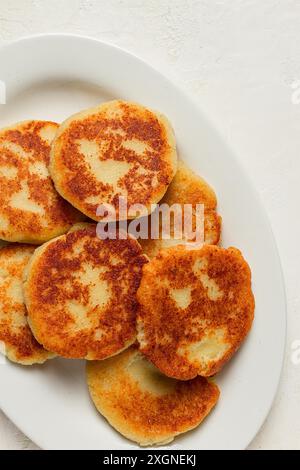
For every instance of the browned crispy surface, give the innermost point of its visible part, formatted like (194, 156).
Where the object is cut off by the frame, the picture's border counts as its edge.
(123, 137)
(143, 405)
(20, 344)
(81, 294)
(188, 188)
(192, 296)
(30, 208)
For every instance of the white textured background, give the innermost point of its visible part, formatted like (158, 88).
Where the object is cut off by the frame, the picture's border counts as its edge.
(239, 59)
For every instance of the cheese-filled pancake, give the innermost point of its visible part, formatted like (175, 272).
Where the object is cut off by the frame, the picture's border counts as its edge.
(31, 210)
(144, 405)
(196, 308)
(80, 293)
(18, 342)
(118, 149)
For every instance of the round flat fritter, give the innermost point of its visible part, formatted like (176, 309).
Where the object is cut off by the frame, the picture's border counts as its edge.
(187, 188)
(196, 308)
(31, 211)
(144, 405)
(80, 293)
(16, 337)
(116, 149)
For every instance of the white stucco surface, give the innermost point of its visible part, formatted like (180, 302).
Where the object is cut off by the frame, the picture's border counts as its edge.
(239, 60)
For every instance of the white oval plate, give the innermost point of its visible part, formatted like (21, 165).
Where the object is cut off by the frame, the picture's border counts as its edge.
(52, 76)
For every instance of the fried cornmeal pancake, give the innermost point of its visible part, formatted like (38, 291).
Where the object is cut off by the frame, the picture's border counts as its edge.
(19, 343)
(31, 210)
(144, 405)
(116, 149)
(188, 188)
(196, 308)
(80, 293)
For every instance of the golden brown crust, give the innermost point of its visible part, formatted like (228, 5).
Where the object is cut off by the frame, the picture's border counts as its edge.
(31, 210)
(188, 188)
(196, 308)
(80, 293)
(143, 405)
(116, 138)
(19, 343)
